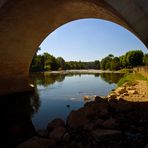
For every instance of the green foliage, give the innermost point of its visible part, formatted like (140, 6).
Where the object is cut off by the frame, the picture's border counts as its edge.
(115, 64)
(129, 60)
(125, 70)
(47, 62)
(61, 63)
(145, 59)
(106, 62)
(134, 58)
(131, 79)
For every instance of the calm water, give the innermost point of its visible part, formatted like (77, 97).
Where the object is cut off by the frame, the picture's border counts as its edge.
(22, 113)
(54, 92)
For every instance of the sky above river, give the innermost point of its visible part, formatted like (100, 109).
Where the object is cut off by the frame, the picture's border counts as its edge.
(89, 40)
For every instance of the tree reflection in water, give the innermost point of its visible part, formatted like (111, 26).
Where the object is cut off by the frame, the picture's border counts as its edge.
(46, 79)
(111, 77)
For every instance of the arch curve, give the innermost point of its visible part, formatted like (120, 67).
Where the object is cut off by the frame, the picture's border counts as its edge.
(24, 24)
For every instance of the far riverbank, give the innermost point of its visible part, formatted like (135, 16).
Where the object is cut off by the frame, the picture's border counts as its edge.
(84, 71)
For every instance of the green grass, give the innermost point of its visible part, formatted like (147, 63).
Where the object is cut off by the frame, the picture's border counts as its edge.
(125, 70)
(131, 79)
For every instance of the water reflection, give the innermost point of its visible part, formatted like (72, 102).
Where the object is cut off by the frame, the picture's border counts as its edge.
(46, 79)
(24, 112)
(111, 77)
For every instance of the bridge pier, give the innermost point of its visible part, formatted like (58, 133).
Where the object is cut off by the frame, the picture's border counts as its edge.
(15, 84)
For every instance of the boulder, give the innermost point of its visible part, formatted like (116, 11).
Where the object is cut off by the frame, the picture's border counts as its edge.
(120, 90)
(101, 135)
(42, 133)
(132, 92)
(100, 99)
(99, 122)
(88, 126)
(37, 142)
(77, 119)
(66, 137)
(57, 133)
(112, 96)
(110, 123)
(58, 122)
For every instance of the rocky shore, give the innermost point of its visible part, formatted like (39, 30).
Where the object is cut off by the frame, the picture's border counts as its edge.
(136, 92)
(105, 123)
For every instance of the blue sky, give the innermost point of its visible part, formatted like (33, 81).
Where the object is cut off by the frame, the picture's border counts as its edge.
(89, 40)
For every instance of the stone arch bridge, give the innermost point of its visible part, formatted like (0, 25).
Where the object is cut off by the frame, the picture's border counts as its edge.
(24, 24)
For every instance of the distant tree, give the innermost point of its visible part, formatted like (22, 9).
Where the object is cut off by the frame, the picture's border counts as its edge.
(97, 64)
(61, 63)
(50, 62)
(106, 62)
(115, 64)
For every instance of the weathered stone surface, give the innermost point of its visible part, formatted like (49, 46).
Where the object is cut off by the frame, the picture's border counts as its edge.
(99, 122)
(77, 119)
(110, 123)
(105, 135)
(120, 90)
(57, 133)
(58, 122)
(66, 137)
(42, 133)
(112, 96)
(88, 126)
(132, 92)
(37, 142)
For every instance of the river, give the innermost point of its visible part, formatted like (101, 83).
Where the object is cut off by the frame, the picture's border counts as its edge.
(58, 94)
(55, 95)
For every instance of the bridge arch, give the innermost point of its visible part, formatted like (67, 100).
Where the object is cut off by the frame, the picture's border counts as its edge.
(25, 24)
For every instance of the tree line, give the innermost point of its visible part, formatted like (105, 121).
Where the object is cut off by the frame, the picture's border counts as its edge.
(47, 62)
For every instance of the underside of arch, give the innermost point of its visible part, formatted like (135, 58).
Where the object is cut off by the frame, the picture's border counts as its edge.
(25, 24)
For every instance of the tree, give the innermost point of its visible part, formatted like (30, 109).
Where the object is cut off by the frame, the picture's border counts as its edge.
(50, 62)
(97, 64)
(61, 63)
(134, 58)
(115, 64)
(106, 62)
(145, 59)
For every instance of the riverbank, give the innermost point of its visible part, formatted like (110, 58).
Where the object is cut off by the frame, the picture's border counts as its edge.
(113, 121)
(132, 87)
(84, 71)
